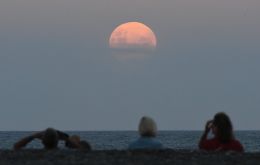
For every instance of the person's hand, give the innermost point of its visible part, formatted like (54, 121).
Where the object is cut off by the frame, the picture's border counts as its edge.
(208, 126)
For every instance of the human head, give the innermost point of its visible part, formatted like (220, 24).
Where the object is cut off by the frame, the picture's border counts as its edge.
(72, 140)
(50, 138)
(147, 127)
(222, 127)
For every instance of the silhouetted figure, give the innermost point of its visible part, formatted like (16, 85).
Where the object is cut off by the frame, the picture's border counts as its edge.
(224, 139)
(50, 138)
(147, 139)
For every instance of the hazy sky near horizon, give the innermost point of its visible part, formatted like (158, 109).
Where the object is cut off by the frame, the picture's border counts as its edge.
(57, 70)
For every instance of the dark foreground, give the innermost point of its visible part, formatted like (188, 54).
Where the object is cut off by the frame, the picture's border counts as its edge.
(166, 157)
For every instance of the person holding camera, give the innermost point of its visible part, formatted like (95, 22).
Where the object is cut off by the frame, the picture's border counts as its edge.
(223, 136)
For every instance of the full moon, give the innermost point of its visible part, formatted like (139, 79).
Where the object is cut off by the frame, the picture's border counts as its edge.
(132, 35)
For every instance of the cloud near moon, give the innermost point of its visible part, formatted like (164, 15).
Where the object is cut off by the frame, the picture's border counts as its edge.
(133, 36)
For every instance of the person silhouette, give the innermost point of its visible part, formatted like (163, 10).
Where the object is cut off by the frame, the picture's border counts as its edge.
(147, 140)
(224, 139)
(50, 138)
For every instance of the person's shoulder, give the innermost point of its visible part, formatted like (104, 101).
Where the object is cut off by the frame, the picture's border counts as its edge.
(156, 143)
(236, 142)
(210, 144)
(134, 144)
(237, 145)
(145, 143)
(211, 140)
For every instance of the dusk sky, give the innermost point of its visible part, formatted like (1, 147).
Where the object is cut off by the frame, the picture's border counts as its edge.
(57, 70)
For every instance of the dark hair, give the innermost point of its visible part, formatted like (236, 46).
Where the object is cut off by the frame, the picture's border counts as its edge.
(50, 138)
(224, 127)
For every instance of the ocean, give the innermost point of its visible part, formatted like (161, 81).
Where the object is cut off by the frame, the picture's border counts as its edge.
(108, 140)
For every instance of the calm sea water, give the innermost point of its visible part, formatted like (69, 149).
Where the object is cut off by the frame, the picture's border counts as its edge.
(120, 139)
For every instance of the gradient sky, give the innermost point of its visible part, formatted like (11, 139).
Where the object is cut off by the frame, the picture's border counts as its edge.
(56, 69)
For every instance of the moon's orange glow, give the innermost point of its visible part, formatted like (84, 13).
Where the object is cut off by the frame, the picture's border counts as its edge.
(132, 35)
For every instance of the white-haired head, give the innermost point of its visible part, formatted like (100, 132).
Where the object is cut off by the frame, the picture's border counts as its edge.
(147, 127)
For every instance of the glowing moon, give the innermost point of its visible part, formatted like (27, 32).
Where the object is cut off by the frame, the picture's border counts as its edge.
(132, 35)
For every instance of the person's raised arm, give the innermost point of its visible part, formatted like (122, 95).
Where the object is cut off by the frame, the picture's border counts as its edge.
(63, 136)
(205, 133)
(24, 141)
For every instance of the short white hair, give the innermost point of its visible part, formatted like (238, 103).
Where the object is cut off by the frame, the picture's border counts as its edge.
(147, 127)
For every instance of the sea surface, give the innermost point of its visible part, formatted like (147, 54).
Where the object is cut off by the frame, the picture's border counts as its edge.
(108, 140)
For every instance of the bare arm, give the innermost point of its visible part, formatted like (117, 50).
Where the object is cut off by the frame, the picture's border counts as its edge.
(205, 134)
(63, 136)
(24, 141)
